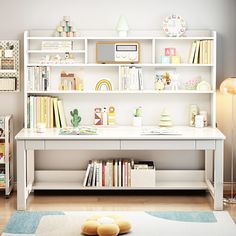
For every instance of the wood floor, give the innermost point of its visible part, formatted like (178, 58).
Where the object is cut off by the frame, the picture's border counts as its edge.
(61, 202)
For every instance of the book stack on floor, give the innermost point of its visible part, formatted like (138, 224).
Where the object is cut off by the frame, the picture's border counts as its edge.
(108, 173)
(39, 78)
(200, 52)
(46, 109)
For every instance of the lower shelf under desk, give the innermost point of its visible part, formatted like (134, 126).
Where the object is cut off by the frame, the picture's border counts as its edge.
(165, 180)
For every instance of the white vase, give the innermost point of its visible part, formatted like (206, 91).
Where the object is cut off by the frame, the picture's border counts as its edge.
(137, 121)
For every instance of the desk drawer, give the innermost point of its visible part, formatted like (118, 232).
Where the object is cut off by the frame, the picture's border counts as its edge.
(205, 144)
(34, 144)
(82, 145)
(157, 145)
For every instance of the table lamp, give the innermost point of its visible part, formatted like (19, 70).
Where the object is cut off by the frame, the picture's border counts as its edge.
(228, 86)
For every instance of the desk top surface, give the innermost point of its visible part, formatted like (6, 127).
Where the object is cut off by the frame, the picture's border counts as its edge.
(126, 132)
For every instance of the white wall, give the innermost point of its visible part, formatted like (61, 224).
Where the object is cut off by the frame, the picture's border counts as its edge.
(17, 16)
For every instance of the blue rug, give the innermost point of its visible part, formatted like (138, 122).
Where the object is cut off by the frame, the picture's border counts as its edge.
(55, 223)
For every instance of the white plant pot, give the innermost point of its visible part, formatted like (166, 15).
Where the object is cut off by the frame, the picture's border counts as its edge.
(137, 121)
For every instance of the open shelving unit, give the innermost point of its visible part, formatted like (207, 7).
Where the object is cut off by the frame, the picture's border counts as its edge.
(152, 47)
(6, 164)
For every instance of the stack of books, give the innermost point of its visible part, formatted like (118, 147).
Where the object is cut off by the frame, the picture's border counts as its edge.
(46, 109)
(108, 173)
(39, 78)
(131, 78)
(200, 52)
(143, 165)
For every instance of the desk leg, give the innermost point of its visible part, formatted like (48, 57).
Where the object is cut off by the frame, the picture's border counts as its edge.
(218, 175)
(21, 176)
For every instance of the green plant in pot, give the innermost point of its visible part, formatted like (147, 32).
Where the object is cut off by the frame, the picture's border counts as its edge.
(75, 118)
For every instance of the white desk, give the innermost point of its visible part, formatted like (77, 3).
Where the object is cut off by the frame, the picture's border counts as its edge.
(123, 138)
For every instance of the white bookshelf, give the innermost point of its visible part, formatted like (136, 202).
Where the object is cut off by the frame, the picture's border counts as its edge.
(152, 46)
(151, 100)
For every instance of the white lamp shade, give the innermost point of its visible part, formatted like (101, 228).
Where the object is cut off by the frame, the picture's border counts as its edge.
(228, 85)
(122, 24)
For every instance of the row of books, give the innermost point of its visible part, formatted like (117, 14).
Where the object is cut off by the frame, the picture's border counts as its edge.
(112, 173)
(38, 78)
(200, 52)
(8, 84)
(46, 109)
(131, 78)
(108, 173)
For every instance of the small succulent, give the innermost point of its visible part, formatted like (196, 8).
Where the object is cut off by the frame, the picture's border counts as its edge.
(75, 118)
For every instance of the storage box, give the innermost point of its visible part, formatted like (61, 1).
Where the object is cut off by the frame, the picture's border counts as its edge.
(143, 178)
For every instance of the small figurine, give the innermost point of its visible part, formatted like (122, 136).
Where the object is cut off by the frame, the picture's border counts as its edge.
(165, 119)
(175, 82)
(159, 84)
(98, 116)
(111, 115)
(75, 118)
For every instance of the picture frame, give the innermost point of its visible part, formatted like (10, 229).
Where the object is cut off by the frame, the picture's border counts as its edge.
(7, 63)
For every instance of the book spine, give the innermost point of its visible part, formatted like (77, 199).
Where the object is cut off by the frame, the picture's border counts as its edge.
(94, 173)
(90, 177)
(86, 175)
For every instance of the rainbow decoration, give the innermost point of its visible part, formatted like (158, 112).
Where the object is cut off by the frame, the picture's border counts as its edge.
(103, 84)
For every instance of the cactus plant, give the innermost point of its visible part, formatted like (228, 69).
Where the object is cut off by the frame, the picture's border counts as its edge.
(75, 118)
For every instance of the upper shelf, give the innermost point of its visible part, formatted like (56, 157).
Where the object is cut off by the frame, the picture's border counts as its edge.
(56, 51)
(121, 38)
(132, 35)
(117, 65)
(122, 92)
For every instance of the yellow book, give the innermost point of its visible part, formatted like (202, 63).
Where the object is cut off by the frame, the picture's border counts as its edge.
(56, 115)
(38, 119)
(209, 45)
(201, 53)
(51, 113)
(196, 56)
(42, 110)
(45, 110)
(205, 52)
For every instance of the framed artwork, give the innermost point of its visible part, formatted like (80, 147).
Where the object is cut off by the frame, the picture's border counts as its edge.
(7, 64)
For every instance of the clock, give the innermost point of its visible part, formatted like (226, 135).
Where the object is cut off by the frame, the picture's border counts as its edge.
(174, 26)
